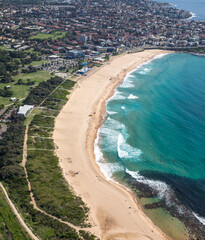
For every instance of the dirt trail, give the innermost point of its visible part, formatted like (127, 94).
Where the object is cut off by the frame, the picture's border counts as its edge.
(23, 224)
(33, 202)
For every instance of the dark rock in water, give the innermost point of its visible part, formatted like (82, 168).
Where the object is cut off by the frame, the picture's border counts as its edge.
(174, 204)
(160, 204)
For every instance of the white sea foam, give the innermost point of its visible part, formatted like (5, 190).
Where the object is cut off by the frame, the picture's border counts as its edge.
(123, 107)
(113, 124)
(106, 168)
(193, 15)
(125, 150)
(110, 132)
(144, 70)
(201, 219)
(111, 112)
(131, 96)
(111, 136)
(161, 188)
(160, 55)
(117, 96)
(127, 84)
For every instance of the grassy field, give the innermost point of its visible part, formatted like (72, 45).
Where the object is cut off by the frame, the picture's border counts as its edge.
(10, 227)
(53, 36)
(21, 91)
(3, 47)
(36, 63)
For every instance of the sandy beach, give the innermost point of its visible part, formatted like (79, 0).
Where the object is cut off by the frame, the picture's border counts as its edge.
(114, 213)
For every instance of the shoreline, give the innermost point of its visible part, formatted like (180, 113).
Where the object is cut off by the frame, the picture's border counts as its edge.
(114, 210)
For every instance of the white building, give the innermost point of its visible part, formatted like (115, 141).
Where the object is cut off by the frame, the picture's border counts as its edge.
(25, 110)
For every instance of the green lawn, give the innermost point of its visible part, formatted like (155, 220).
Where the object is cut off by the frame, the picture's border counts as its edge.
(21, 91)
(36, 63)
(54, 35)
(10, 226)
(3, 47)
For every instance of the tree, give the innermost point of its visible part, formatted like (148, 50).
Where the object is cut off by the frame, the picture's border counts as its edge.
(11, 171)
(20, 82)
(6, 78)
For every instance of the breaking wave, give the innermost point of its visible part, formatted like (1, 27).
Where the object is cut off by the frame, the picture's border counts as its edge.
(125, 150)
(202, 220)
(117, 96)
(131, 96)
(144, 71)
(108, 169)
(162, 189)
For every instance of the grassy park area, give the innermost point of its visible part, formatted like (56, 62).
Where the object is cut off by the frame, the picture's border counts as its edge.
(21, 91)
(45, 36)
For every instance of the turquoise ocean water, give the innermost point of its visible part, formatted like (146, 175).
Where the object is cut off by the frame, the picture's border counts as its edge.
(154, 132)
(195, 6)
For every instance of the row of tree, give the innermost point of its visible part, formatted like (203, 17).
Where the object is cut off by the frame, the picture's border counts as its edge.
(11, 148)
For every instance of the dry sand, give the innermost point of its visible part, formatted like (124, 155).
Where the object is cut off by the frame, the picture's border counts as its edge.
(114, 213)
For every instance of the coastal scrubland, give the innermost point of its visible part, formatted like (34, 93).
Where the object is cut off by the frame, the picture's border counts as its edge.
(51, 193)
(10, 227)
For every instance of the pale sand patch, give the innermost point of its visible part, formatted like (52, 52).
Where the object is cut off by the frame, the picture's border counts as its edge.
(114, 214)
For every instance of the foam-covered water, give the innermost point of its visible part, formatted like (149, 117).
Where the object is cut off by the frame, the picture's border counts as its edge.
(155, 131)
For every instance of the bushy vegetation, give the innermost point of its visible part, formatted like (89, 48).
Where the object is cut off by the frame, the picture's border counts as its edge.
(41, 143)
(44, 226)
(11, 149)
(40, 132)
(50, 190)
(6, 92)
(42, 120)
(40, 92)
(14, 178)
(52, 194)
(10, 227)
(87, 235)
